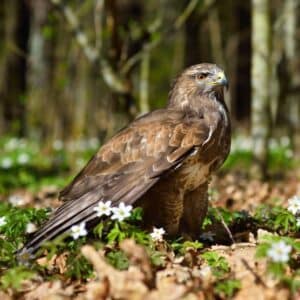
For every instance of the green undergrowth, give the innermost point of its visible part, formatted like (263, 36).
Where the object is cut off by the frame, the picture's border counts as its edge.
(108, 235)
(28, 164)
(273, 218)
(279, 243)
(226, 285)
(279, 160)
(25, 164)
(280, 155)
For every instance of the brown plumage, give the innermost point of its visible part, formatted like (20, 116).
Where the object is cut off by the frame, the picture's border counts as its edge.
(162, 162)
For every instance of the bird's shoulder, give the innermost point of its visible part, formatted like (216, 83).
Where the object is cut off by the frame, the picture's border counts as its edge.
(151, 145)
(153, 134)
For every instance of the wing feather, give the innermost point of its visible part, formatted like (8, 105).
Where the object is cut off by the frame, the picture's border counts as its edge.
(125, 168)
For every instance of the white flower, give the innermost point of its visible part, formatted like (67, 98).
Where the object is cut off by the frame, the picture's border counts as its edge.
(78, 230)
(16, 200)
(23, 158)
(273, 143)
(81, 145)
(103, 208)
(280, 252)
(80, 162)
(241, 143)
(157, 234)
(30, 228)
(2, 221)
(93, 142)
(58, 145)
(12, 144)
(285, 141)
(6, 163)
(294, 205)
(121, 212)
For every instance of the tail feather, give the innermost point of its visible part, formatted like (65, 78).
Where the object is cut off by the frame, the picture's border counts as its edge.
(60, 223)
(79, 210)
(68, 212)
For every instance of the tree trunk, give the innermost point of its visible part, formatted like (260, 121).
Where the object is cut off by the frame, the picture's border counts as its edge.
(192, 43)
(13, 64)
(39, 74)
(243, 88)
(260, 76)
(144, 83)
(292, 48)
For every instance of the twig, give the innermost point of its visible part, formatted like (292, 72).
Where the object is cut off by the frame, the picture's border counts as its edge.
(144, 82)
(258, 279)
(225, 226)
(179, 22)
(80, 36)
(139, 55)
(98, 20)
(110, 77)
(185, 14)
(215, 32)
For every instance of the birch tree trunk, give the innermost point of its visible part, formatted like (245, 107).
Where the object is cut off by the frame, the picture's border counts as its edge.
(144, 83)
(292, 48)
(39, 98)
(260, 81)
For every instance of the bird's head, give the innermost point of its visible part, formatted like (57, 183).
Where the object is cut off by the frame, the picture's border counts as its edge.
(205, 79)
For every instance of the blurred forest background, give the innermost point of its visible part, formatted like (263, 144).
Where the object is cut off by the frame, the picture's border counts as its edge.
(74, 71)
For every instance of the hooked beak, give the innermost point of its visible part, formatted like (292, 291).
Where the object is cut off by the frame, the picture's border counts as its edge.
(221, 80)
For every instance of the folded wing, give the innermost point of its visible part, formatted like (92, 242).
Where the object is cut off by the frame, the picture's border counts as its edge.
(125, 168)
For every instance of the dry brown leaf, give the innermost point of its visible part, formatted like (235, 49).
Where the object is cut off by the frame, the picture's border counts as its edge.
(61, 262)
(50, 291)
(4, 296)
(168, 292)
(97, 290)
(123, 284)
(138, 256)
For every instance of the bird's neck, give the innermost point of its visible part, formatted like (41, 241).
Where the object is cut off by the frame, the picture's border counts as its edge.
(195, 101)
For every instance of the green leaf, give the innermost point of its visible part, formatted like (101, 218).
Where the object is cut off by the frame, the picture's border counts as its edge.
(116, 235)
(136, 214)
(78, 267)
(181, 248)
(157, 258)
(227, 287)
(217, 262)
(276, 269)
(118, 259)
(14, 277)
(98, 230)
(262, 249)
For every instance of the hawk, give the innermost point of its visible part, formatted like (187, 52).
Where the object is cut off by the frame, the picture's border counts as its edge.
(161, 162)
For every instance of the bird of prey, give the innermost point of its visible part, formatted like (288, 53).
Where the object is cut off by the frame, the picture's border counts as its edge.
(161, 162)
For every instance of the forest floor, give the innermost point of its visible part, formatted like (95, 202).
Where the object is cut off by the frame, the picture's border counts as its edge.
(232, 259)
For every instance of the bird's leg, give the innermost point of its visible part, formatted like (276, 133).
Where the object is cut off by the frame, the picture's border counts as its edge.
(173, 210)
(194, 212)
(163, 207)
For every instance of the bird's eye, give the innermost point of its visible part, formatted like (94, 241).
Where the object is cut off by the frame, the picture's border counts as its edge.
(202, 76)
